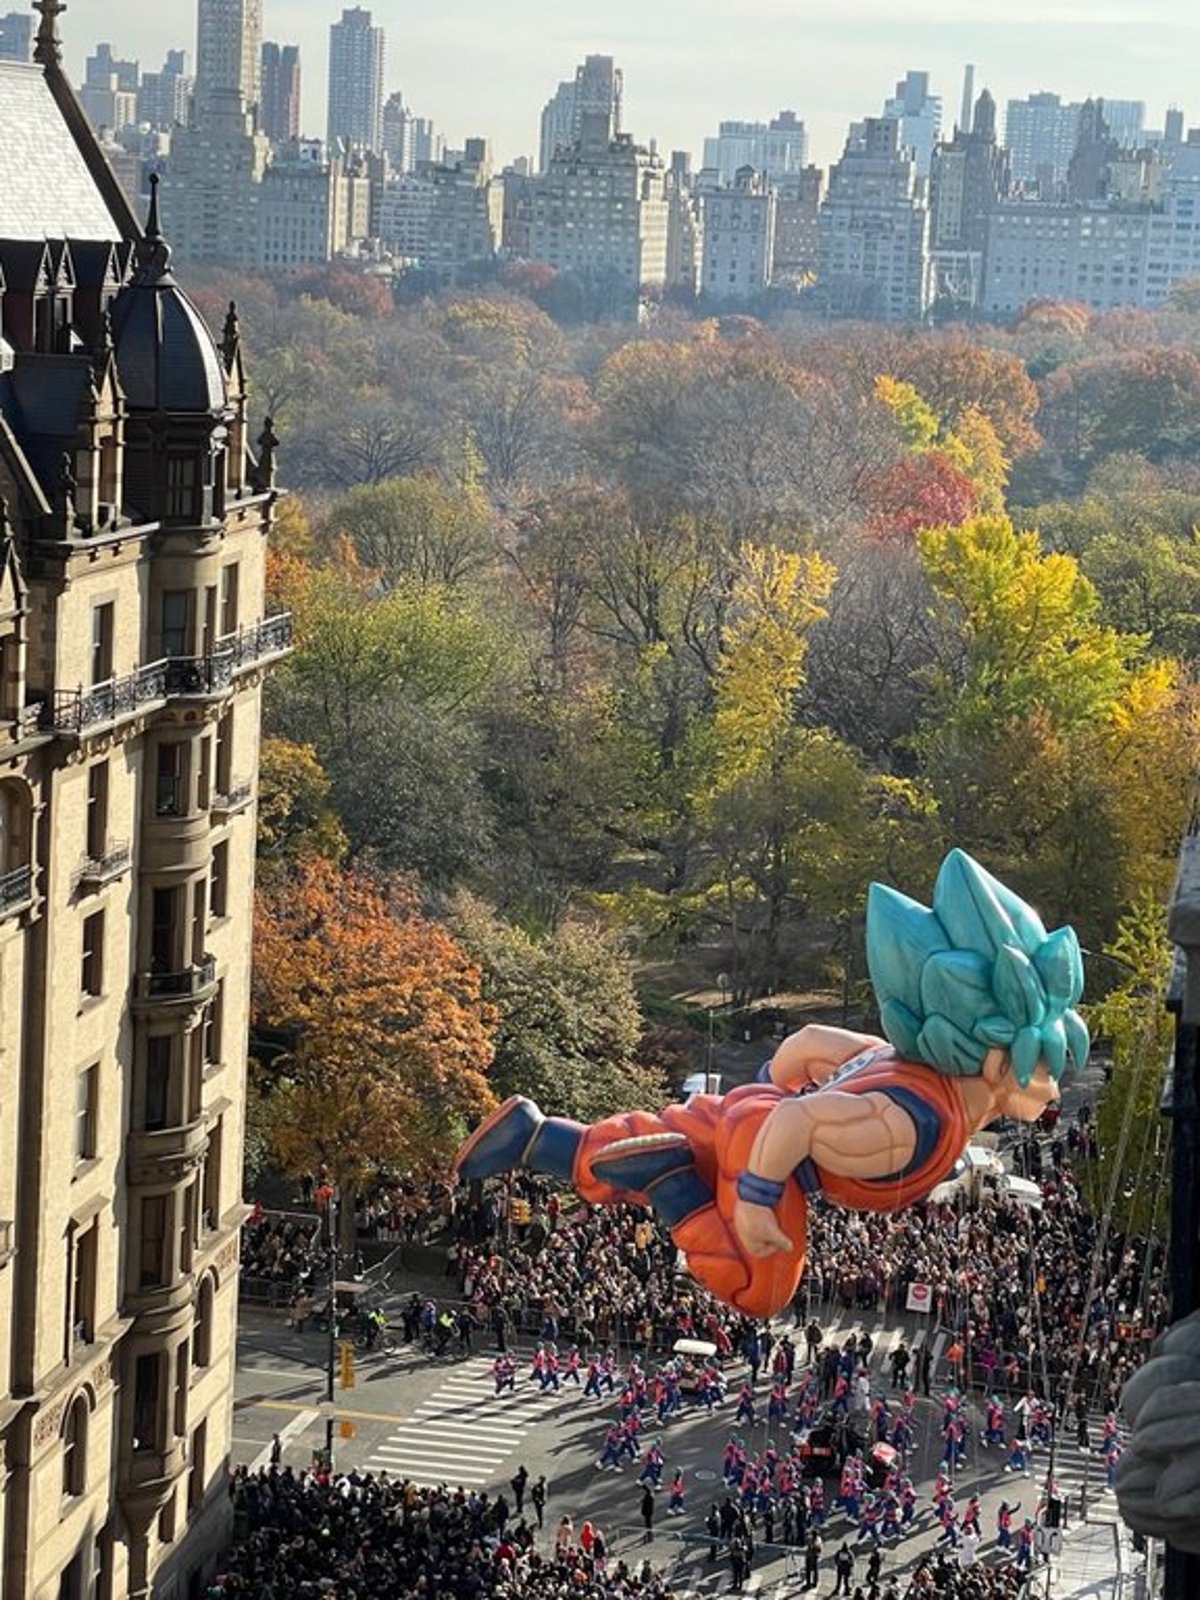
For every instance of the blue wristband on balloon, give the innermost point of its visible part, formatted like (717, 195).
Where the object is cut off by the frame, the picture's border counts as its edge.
(764, 1073)
(758, 1191)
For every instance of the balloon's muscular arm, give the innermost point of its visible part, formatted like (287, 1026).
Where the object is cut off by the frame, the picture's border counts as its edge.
(855, 1135)
(814, 1053)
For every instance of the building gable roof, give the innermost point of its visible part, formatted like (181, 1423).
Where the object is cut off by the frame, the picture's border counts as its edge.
(46, 188)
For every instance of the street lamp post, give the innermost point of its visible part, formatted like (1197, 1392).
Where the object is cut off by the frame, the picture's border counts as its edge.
(710, 1077)
(331, 1353)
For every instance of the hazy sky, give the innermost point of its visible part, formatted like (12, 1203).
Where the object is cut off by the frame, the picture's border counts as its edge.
(486, 67)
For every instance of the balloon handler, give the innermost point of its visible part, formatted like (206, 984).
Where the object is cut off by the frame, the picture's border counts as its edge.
(977, 1004)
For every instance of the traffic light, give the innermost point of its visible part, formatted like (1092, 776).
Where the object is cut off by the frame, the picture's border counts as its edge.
(346, 1430)
(347, 1364)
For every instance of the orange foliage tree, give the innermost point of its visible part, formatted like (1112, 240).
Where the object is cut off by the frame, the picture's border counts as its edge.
(386, 1039)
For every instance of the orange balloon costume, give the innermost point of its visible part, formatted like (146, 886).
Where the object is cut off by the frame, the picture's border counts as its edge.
(721, 1130)
(978, 1000)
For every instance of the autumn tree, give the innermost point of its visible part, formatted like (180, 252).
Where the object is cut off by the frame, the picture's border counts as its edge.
(1145, 400)
(296, 820)
(388, 1036)
(1054, 746)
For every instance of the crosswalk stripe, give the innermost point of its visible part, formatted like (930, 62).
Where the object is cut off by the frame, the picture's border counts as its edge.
(433, 1414)
(407, 1449)
(476, 1431)
(407, 1437)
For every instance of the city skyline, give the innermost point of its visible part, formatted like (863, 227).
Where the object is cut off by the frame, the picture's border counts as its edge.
(477, 73)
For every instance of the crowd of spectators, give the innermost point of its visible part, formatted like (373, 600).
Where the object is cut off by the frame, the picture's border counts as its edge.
(601, 1276)
(304, 1536)
(279, 1254)
(982, 1259)
(940, 1578)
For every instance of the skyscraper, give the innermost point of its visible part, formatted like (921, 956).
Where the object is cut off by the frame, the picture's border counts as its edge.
(778, 148)
(873, 237)
(16, 36)
(280, 115)
(919, 115)
(228, 51)
(356, 80)
(1041, 134)
(597, 89)
(164, 96)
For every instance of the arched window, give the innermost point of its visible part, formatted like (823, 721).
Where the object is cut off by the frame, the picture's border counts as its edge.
(74, 1438)
(202, 1331)
(16, 861)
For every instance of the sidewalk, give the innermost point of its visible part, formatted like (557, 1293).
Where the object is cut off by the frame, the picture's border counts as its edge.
(1097, 1562)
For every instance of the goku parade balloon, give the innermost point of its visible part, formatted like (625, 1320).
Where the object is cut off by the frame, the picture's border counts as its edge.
(977, 1002)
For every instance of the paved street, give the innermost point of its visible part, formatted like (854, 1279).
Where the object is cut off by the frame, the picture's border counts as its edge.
(437, 1420)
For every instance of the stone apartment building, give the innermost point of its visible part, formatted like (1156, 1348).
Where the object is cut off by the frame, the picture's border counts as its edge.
(601, 210)
(873, 242)
(133, 641)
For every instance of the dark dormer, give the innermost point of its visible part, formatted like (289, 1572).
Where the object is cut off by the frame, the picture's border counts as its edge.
(173, 380)
(100, 270)
(166, 356)
(29, 273)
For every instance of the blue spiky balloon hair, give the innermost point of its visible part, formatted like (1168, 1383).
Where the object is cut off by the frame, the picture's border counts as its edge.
(975, 973)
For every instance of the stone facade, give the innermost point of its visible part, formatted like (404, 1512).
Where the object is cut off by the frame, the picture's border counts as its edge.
(133, 643)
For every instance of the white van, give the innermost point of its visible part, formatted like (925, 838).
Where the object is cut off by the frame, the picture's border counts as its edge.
(701, 1083)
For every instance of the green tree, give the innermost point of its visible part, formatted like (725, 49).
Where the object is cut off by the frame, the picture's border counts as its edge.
(568, 1023)
(416, 530)
(1133, 1023)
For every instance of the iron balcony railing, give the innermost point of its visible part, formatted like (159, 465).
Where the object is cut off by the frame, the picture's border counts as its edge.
(82, 710)
(16, 890)
(103, 868)
(235, 798)
(180, 985)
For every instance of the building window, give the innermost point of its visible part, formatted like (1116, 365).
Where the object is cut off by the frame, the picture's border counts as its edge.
(212, 1175)
(164, 950)
(83, 1288)
(229, 599)
(218, 894)
(74, 1439)
(202, 1332)
(182, 483)
(204, 776)
(102, 642)
(182, 1376)
(196, 1475)
(188, 1225)
(87, 1102)
(214, 1025)
(91, 969)
(97, 810)
(176, 615)
(152, 1261)
(160, 1054)
(224, 765)
(170, 799)
(147, 1381)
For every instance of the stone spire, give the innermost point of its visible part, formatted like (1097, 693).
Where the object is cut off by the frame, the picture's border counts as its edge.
(48, 49)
